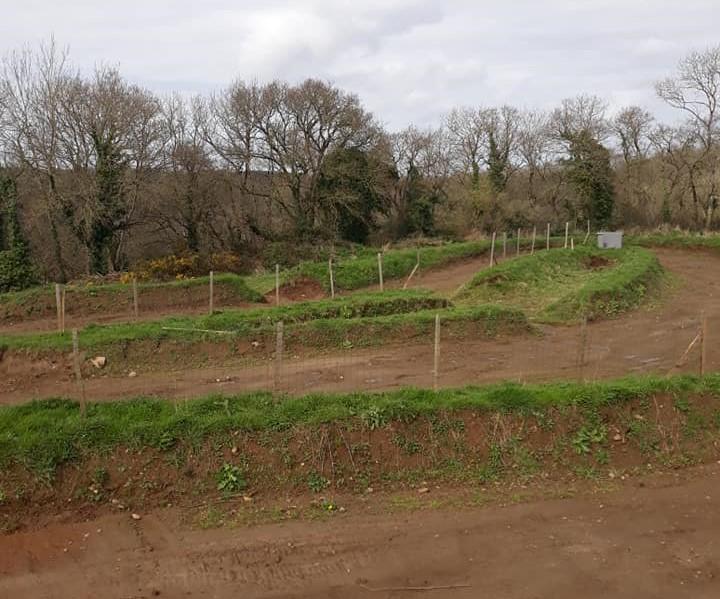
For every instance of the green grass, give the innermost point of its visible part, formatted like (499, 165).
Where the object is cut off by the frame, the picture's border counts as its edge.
(43, 435)
(236, 283)
(362, 271)
(562, 285)
(365, 319)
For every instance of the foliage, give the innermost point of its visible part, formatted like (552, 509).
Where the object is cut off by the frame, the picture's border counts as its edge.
(350, 189)
(16, 270)
(231, 479)
(180, 266)
(589, 171)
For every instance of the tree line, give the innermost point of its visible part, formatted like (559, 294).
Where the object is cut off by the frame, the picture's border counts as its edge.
(97, 172)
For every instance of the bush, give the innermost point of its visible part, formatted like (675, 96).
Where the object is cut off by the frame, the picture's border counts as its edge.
(181, 266)
(16, 272)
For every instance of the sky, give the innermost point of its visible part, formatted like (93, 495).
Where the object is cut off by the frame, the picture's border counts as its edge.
(409, 61)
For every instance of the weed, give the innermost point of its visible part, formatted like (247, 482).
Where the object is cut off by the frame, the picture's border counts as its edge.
(230, 479)
(588, 436)
(317, 483)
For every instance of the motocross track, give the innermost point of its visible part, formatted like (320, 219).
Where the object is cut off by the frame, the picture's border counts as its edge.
(648, 340)
(655, 537)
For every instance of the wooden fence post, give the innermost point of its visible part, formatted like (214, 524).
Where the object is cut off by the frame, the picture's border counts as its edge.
(78, 372)
(504, 244)
(277, 284)
(518, 243)
(492, 249)
(583, 345)
(58, 307)
(332, 278)
(279, 349)
(567, 232)
(380, 271)
(212, 292)
(136, 302)
(547, 237)
(436, 353)
(532, 246)
(703, 346)
(572, 243)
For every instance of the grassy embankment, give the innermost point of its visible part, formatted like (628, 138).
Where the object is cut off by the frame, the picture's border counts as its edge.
(563, 285)
(41, 436)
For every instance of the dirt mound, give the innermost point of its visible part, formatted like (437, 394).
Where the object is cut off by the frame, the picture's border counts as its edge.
(596, 262)
(301, 290)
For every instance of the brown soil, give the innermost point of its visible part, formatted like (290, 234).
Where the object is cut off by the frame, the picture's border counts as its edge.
(82, 309)
(648, 340)
(650, 537)
(299, 290)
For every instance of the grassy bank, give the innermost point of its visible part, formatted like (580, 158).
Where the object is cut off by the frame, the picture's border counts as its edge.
(563, 285)
(43, 435)
(360, 319)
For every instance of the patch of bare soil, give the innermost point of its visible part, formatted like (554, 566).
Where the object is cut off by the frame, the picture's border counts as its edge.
(652, 536)
(302, 289)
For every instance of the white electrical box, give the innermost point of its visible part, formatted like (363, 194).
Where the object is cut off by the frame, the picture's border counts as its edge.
(610, 239)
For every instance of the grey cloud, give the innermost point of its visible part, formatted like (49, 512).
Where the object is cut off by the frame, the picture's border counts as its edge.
(409, 60)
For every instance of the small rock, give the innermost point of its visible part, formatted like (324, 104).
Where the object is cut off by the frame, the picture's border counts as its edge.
(423, 490)
(234, 450)
(247, 498)
(99, 362)
(136, 516)
(255, 344)
(132, 374)
(617, 437)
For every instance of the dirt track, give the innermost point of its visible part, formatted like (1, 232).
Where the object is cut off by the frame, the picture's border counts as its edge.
(651, 538)
(650, 339)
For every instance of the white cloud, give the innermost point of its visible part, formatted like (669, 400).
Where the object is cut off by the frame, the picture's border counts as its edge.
(409, 60)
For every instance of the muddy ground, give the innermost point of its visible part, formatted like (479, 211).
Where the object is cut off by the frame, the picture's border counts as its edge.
(651, 339)
(655, 536)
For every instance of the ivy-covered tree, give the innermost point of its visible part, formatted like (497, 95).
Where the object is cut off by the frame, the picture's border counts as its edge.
(352, 190)
(589, 171)
(16, 270)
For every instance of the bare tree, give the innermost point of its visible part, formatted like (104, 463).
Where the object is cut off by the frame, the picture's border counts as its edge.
(632, 126)
(111, 139)
(695, 90)
(32, 85)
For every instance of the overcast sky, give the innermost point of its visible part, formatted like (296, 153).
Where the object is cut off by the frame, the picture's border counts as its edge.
(409, 61)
